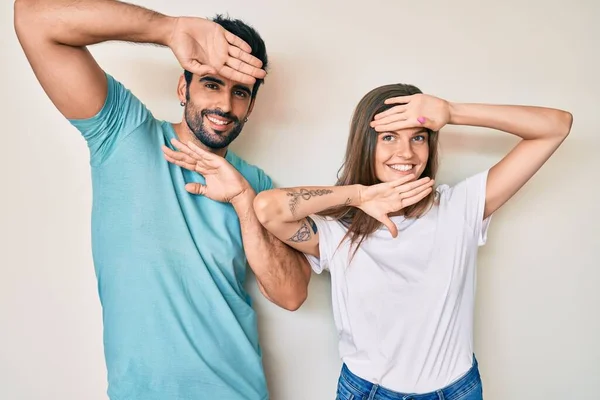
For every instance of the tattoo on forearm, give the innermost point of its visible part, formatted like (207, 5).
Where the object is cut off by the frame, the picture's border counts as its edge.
(304, 194)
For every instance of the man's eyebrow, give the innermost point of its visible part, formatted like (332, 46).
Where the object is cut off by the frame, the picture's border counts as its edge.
(212, 79)
(220, 82)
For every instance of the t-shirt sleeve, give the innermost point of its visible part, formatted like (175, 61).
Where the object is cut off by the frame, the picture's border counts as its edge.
(468, 198)
(264, 181)
(328, 231)
(120, 115)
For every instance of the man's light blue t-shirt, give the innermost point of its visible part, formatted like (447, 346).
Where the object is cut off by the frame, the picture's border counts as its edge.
(170, 266)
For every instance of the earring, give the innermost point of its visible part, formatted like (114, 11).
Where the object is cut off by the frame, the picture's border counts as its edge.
(246, 119)
(182, 104)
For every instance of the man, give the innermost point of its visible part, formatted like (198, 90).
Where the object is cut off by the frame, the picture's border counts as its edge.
(170, 265)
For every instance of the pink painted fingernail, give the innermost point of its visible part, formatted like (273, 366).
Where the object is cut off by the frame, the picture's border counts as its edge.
(421, 120)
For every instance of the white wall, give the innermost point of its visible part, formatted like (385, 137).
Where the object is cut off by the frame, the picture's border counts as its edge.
(537, 318)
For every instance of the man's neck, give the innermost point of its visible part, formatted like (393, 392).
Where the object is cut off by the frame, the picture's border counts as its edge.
(184, 135)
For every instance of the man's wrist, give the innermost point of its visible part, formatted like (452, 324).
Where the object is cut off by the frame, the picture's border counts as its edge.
(166, 30)
(244, 199)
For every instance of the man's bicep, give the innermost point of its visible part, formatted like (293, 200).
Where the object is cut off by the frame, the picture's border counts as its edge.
(70, 76)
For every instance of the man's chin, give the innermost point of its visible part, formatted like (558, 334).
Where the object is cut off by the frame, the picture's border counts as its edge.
(212, 140)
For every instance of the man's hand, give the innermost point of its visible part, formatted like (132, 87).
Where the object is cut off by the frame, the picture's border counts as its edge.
(223, 182)
(204, 47)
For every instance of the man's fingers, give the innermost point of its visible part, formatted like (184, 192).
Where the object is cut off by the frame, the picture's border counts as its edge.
(185, 149)
(247, 58)
(191, 167)
(195, 67)
(199, 156)
(245, 68)
(234, 75)
(180, 162)
(177, 155)
(196, 163)
(237, 42)
(199, 152)
(196, 188)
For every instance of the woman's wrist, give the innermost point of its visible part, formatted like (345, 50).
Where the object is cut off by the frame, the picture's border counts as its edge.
(456, 113)
(356, 198)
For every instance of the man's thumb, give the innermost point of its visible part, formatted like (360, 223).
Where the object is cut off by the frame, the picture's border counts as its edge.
(196, 188)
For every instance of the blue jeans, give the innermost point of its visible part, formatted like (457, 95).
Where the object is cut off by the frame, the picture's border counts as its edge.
(351, 387)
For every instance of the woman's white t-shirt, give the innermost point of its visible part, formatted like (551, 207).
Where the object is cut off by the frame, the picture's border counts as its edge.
(403, 307)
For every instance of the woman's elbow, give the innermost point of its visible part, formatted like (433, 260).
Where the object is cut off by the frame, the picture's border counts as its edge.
(565, 122)
(265, 207)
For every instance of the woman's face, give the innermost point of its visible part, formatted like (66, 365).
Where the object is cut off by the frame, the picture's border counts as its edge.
(401, 153)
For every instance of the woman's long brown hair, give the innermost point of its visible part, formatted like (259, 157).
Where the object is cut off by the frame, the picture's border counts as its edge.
(359, 163)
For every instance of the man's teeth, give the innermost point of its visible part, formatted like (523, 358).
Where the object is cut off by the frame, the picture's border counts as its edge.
(402, 167)
(217, 121)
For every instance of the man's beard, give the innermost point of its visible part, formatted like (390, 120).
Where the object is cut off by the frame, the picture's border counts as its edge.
(208, 137)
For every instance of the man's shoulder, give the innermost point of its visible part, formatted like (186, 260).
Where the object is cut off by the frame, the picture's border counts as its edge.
(255, 175)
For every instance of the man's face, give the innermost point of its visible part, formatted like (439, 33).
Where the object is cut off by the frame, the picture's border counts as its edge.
(216, 109)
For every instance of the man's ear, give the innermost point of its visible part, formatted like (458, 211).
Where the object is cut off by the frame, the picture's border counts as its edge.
(182, 89)
(250, 107)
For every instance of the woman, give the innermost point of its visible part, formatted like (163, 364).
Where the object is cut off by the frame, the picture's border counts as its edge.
(403, 300)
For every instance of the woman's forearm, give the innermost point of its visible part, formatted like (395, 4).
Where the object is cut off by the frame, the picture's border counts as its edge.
(293, 204)
(527, 122)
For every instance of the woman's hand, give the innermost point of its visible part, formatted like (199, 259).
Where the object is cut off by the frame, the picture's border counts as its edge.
(385, 198)
(413, 111)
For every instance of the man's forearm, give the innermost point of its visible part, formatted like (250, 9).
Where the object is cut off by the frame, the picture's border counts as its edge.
(80, 23)
(282, 272)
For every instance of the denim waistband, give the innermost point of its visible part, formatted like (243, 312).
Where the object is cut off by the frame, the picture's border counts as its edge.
(456, 389)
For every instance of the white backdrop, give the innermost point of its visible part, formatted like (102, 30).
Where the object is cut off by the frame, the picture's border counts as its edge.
(537, 319)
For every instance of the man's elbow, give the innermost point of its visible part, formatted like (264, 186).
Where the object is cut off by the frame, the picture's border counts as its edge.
(22, 9)
(24, 17)
(294, 301)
